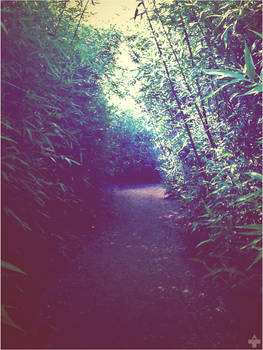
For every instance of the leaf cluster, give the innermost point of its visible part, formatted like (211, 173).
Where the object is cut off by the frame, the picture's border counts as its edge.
(200, 83)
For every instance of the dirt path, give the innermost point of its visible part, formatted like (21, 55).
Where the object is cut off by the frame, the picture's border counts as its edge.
(131, 287)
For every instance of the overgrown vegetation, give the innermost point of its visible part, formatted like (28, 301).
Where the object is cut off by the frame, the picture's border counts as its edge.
(200, 76)
(198, 72)
(133, 158)
(59, 135)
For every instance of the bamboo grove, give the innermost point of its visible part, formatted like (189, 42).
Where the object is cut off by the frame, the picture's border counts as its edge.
(198, 81)
(61, 140)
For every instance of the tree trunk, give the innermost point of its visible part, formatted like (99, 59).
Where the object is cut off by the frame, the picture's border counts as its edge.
(174, 94)
(203, 115)
(81, 16)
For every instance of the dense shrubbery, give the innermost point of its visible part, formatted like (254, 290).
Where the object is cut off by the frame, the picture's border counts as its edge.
(133, 157)
(200, 83)
(61, 141)
(54, 119)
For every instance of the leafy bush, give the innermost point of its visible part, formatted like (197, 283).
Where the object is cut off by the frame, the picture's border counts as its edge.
(133, 156)
(54, 119)
(200, 82)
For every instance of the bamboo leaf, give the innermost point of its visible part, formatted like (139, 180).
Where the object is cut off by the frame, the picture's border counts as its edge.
(255, 175)
(213, 272)
(257, 33)
(7, 139)
(21, 222)
(209, 211)
(250, 233)
(254, 227)
(203, 242)
(15, 86)
(48, 141)
(224, 36)
(4, 27)
(62, 186)
(220, 88)
(225, 39)
(22, 161)
(247, 197)
(29, 133)
(69, 160)
(7, 319)
(219, 189)
(225, 74)
(257, 89)
(253, 243)
(11, 267)
(52, 68)
(259, 257)
(249, 64)
(7, 125)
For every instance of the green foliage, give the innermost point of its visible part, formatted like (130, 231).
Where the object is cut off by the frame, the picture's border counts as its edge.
(6, 319)
(61, 139)
(227, 224)
(54, 112)
(200, 88)
(133, 157)
(210, 54)
(4, 314)
(11, 267)
(249, 71)
(55, 118)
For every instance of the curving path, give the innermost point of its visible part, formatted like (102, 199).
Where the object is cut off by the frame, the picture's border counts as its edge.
(132, 287)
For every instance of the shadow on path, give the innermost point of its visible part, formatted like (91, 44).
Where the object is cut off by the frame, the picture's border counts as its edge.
(131, 287)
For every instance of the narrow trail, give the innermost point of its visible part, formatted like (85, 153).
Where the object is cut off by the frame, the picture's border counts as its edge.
(131, 287)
